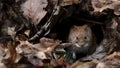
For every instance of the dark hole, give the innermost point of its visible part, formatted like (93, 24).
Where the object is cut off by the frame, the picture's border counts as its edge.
(77, 38)
(35, 57)
(46, 61)
(85, 37)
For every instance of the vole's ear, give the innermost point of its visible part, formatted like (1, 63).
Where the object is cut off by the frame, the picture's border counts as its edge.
(75, 27)
(86, 27)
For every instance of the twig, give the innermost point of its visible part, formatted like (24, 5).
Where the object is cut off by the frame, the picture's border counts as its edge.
(44, 28)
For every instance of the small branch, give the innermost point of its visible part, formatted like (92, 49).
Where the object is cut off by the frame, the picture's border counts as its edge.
(45, 27)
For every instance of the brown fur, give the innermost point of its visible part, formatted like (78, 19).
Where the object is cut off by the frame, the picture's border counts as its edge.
(83, 37)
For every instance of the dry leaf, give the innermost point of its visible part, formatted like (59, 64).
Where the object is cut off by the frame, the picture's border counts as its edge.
(36, 53)
(111, 61)
(47, 45)
(28, 50)
(78, 64)
(2, 53)
(34, 9)
(101, 5)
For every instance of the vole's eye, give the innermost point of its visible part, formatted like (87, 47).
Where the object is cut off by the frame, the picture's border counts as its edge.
(85, 37)
(76, 38)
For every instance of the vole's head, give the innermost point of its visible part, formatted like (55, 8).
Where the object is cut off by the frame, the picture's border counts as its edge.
(80, 35)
